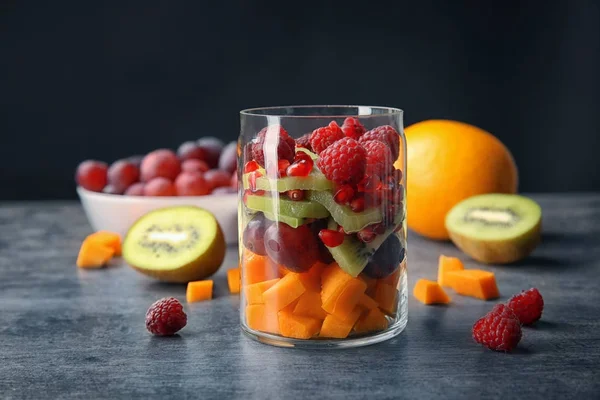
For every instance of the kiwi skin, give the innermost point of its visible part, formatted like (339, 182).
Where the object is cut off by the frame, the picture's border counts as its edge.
(202, 267)
(499, 252)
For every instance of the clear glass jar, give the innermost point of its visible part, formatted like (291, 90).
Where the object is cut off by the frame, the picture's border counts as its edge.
(322, 225)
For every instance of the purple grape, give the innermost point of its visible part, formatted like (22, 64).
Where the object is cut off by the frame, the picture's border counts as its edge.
(254, 234)
(386, 259)
(228, 158)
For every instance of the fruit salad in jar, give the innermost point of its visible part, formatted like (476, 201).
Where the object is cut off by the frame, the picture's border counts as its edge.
(322, 237)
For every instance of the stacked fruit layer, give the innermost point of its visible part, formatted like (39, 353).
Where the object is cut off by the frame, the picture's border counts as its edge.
(322, 224)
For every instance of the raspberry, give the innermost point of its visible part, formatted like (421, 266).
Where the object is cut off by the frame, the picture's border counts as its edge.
(498, 330)
(352, 128)
(165, 317)
(335, 128)
(379, 158)
(324, 137)
(285, 146)
(304, 141)
(527, 306)
(385, 134)
(343, 162)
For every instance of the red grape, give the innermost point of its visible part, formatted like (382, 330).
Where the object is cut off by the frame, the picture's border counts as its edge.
(123, 174)
(160, 163)
(194, 166)
(217, 178)
(191, 151)
(137, 189)
(111, 189)
(228, 158)
(296, 249)
(91, 175)
(254, 234)
(191, 184)
(135, 160)
(212, 149)
(160, 187)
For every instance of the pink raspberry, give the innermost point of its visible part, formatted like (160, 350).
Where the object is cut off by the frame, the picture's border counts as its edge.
(385, 134)
(343, 162)
(352, 128)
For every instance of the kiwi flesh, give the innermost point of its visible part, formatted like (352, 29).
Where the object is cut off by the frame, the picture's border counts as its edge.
(349, 220)
(282, 206)
(294, 222)
(495, 228)
(353, 255)
(175, 244)
(314, 181)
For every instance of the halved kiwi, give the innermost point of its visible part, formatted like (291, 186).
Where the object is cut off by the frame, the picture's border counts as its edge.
(175, 244)
(495, 228)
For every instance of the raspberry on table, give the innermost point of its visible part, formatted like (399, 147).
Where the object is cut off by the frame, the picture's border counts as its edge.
(527, 306)
(165, 317)
(385, 134)
(498, 330)
(379, 158)
(343, 162)
(352, 128)
(321, 138)
(285, 145)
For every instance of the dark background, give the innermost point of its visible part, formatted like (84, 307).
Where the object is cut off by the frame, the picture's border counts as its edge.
(105, 80)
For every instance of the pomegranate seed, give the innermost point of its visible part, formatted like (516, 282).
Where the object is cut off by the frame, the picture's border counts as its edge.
(331, 238)
(357, 204)
(366, 235)
(282, 166)
(341, 229)
(296, 194)
(302, 165)
(251, 166)
(259, 192)
(371, 183)
(378, 229)
(344, 194)
(302, 156)
(374, 199)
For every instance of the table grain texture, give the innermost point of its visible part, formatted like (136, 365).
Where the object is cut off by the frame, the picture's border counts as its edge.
(72, 333)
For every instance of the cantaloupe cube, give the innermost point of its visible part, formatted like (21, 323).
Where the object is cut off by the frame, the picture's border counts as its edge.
(109, 239)
(392, 279)
(259, 318)
(199, 291)
(386, 297)
(284, 292)
(445, 265)
(371, 282)
(343, 301)
(334, 327)
(234, 280)
(254, 293)
(309, 305)
(297, 326)
(367, 302)
(474, 282)
(430, 292)
(312, 278)
(333, 280)
(373, 320)
(93, 254)
(257, 268)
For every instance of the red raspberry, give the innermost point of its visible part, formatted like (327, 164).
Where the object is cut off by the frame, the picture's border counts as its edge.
(352, 128)
(527, 306)
(498, 330)
(335, 128)
(343, 162)
(285, 145)
(379, 158)
(165, 317)
(324, 137)
(385, 134)
(304, 141)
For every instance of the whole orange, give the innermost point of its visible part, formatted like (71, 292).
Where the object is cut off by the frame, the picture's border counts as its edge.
(449, 161)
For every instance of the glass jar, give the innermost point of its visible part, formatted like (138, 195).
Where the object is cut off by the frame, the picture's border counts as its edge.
(322, 225)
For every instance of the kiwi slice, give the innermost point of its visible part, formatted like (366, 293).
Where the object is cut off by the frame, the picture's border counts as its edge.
(175, 244)
(349, 220)
(294, 222)
(353, 255)
(314, 181)
(495, 228)
(307, 151)
(281, 206)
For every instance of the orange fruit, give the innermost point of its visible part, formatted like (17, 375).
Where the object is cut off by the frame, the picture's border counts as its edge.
(449, 161)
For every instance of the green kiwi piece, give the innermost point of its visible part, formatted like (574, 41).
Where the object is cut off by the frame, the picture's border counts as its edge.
(281, 206)
(314, 181)
(307, 151)
(291, 221)
(353, 255)
(495, 228)
(349, 220)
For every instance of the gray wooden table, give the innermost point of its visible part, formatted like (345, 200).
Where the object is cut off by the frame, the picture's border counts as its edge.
(71, 333)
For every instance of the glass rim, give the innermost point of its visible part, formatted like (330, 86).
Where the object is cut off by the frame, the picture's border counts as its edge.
(361, 111)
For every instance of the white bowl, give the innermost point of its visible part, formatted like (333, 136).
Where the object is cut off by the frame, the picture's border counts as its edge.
(116, 213)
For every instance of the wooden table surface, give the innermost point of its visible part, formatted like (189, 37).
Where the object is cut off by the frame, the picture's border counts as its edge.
(72, 333)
